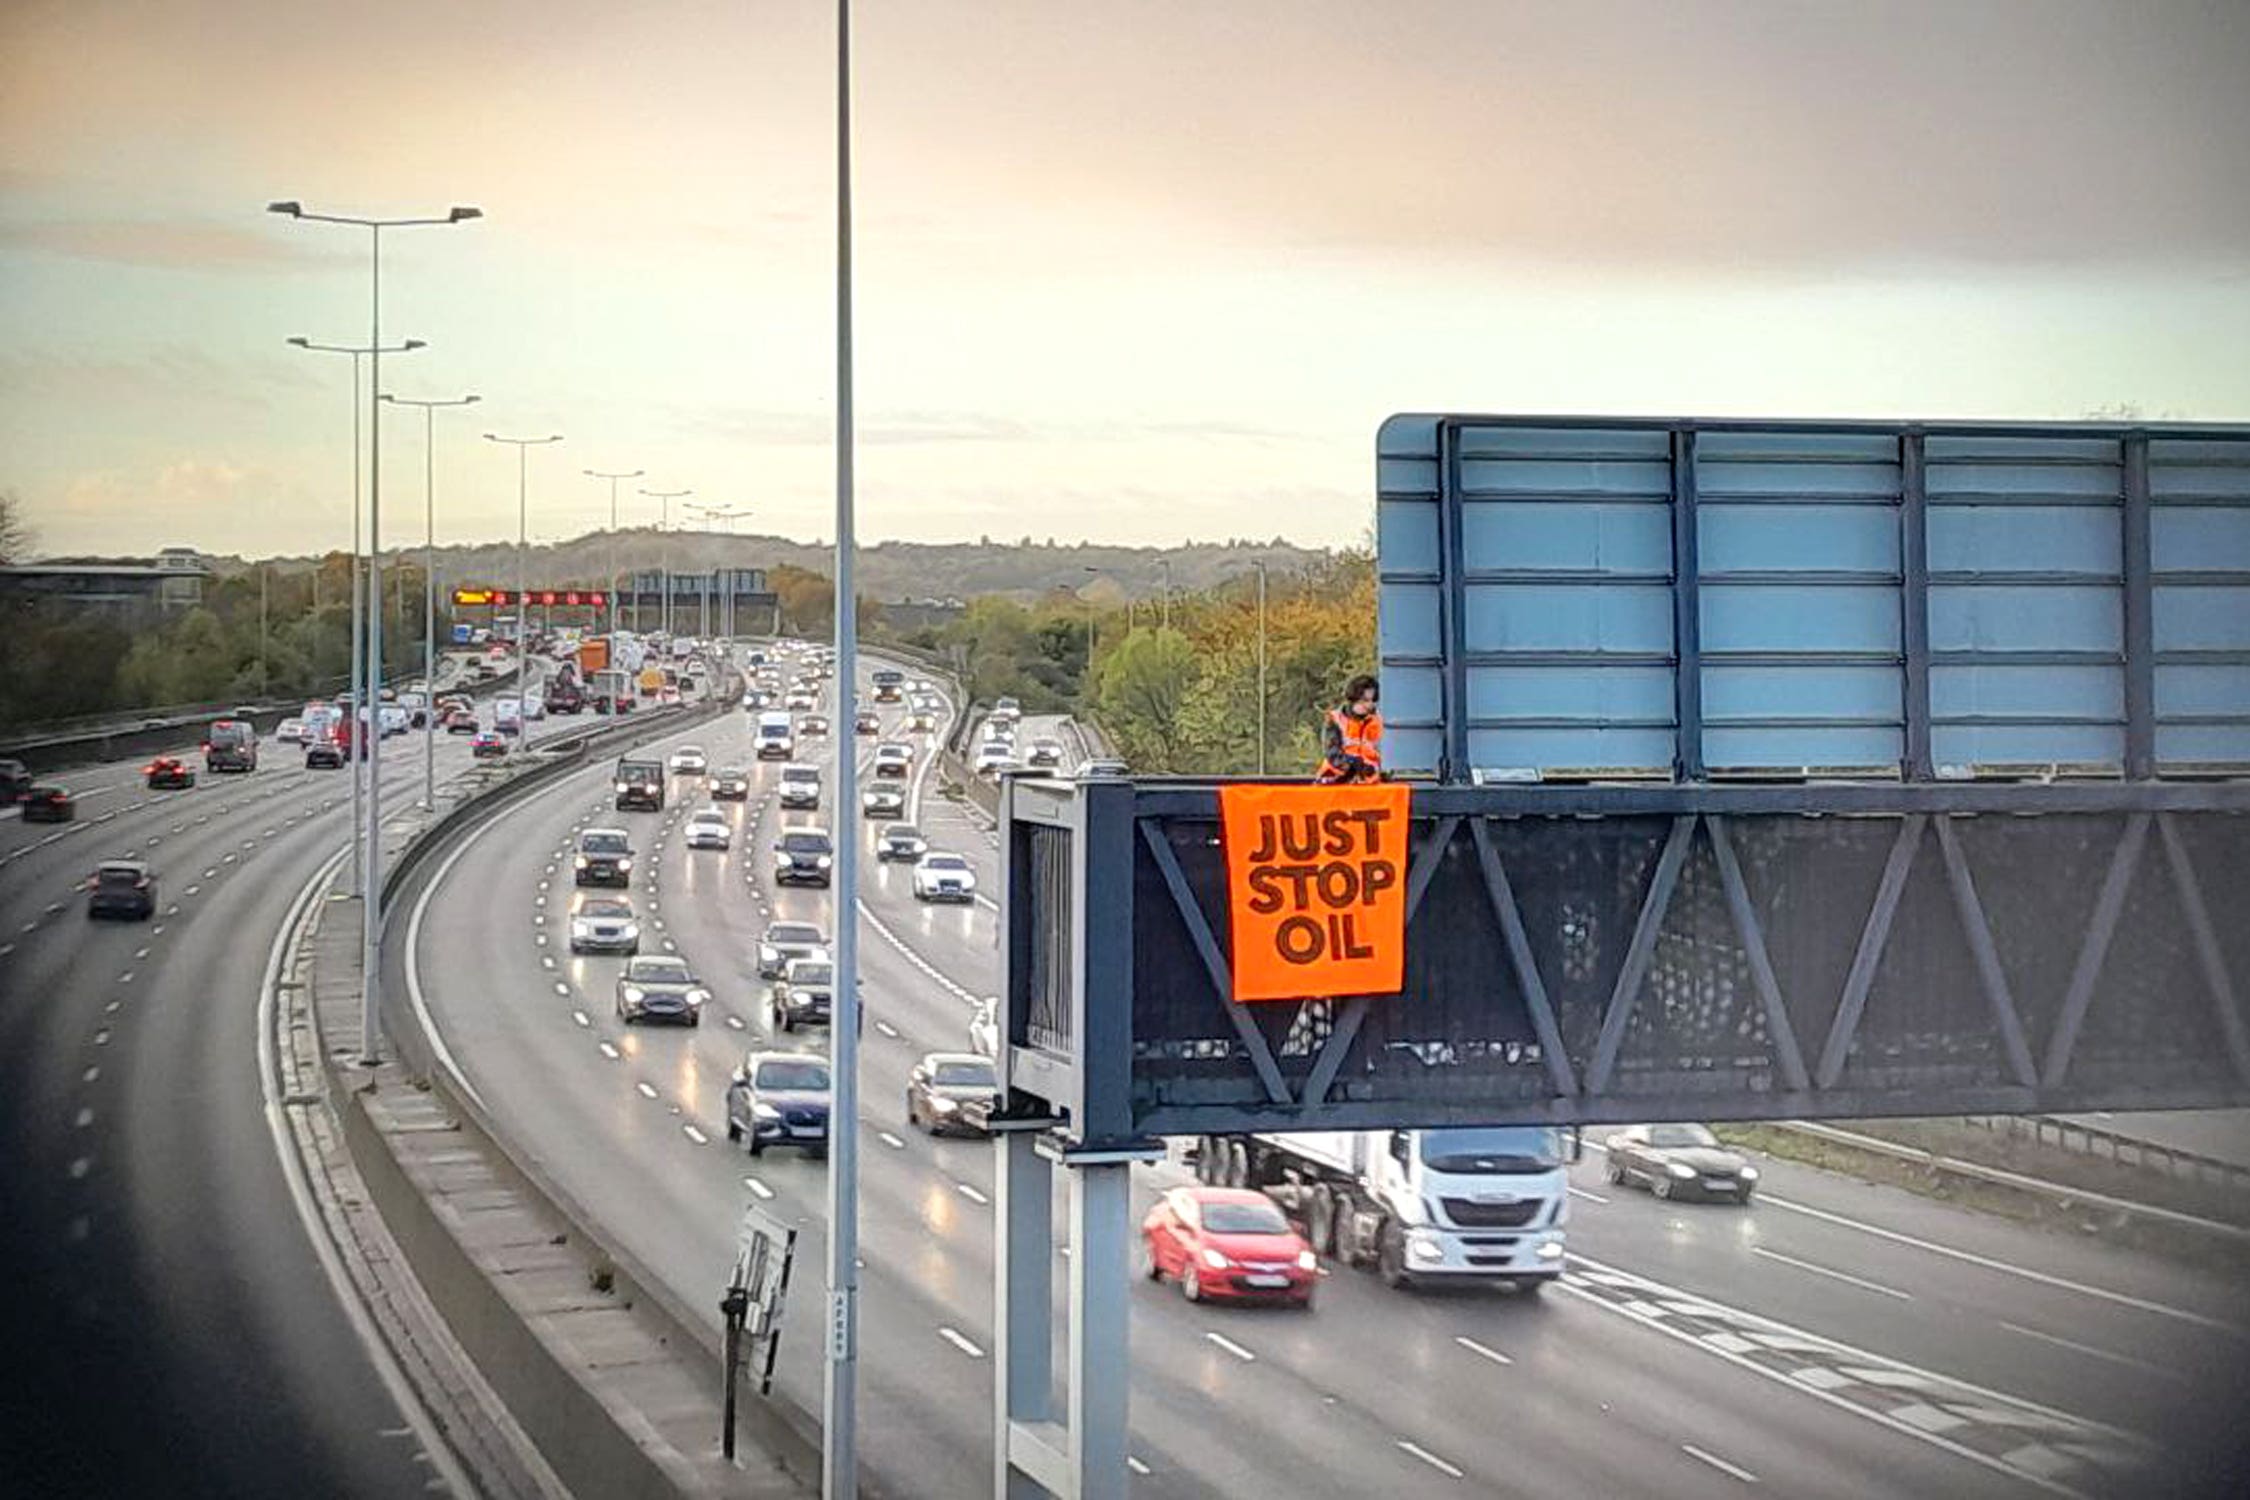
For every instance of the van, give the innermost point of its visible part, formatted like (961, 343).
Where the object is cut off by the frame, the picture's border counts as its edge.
(776, 737)
(800, 786)
(231, 745)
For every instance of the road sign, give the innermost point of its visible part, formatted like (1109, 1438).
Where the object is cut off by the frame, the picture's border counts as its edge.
(468, 598)
(1315, 889)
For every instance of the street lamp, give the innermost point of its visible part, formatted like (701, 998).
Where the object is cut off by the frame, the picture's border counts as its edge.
(360, 596)
(370, 1021)
(613, 478)
(721, 513)
(665, 557)
(1260, 565)
(523, 601)
(429, 584)
(1131, 618)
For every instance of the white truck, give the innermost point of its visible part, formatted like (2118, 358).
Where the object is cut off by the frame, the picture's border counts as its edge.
(1473, 1204)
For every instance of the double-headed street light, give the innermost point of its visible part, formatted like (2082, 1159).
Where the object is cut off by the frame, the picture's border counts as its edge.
(429, 584)
(523, 604)
(613, 478)
(665, 525)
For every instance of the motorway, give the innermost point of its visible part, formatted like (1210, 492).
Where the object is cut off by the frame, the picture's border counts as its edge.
(1834, 1339)
(169, 1331)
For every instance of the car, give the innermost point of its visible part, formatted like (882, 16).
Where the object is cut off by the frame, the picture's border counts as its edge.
(605, 857)
(460, 721)
(784, 941)
(507, 715)
(800, 701)
(866, 723)
(944, 877)
(1224, 1244)
(290, 732)
(802, 856)
(688, 760)
(393, 720)
(168, 771)
(535, 706)
(883, 800)
(900, 841)
(730, 785)
(952, 1092)
(805, 993)
(993, 758)
(640, 785)
(757, 699)
(709, 829)
(486, 744)
(812, 725)
(1006, 710)
(324, 755)
(921, 723)
(15, 779)
(605, 924)
(660, 989)
(984, 1027)
(231, 745)
(800, 786)
(1044, 752)
(121, 888)
(45, 802)
(775, 738)
(1679, 1161)
(893, 759)
(780, 1099)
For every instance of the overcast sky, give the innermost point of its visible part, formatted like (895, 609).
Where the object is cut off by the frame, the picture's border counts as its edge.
(1130, 270)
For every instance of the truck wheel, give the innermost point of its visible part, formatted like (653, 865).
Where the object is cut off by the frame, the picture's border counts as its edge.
(1320, 1220)
(1390, 1259)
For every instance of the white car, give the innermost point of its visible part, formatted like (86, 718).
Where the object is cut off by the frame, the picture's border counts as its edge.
(800, 786)
(709, 829)
(688, 760)
(291, 732)
(800, 701)
(944, 877)
(605, 924)
(993, 758)
(535, 707)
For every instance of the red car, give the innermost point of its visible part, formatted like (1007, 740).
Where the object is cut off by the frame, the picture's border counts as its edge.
(169, 771)
(487, 745)
(1222, 1244)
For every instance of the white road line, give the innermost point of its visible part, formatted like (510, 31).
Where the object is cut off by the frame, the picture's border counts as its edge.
(561, 988)
(140, 953)
(1718, 1463)
(1843, 1276)
(580, 1017)
(695, 1135)
(84, 1118)
(1481, 1351)
(970, 1193)
(126, 977)
(81, 1167)
(101, 1037)
(2123, 1299)
(2123, 1359)
(191, 890)
(645, 1090)
(1135, 1464)
(961, 1343)
(90, 1074)
(757, 1187)
(610, 1052)
(546, 960)
(735, 1022)
(1429, 1458)
(1230, 1346)
(887, 1029)
(890, 1140)
(1579, 1192)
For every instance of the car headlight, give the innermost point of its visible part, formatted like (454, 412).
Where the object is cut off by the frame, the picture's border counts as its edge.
(765, 1112)
(1307, 1261)
(1748, 1174)
(697, 998)
(580, 862)
(581, 928)
(634, 994)
(943, 1105)
(822, 862)
(625, 863)
(1550, 1250)
(632, 930)
(624, 786)
(1680, 1169)
(767, 956)
(1214, 1259)
(1423, 1245)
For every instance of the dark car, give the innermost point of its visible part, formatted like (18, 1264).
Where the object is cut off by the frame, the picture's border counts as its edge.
(231, 745)
(486, 745)
(901, 841)
(660, 989)
(784, 941)
(605, 924)
(640, 785)
(802, 856)
(323, 755)
(804, 995)
(44, 802)
(780, 1099)
(812, 725)
(865, 723)
(605, 857)
(1679, 1161)
(15, 780)
(121, 888)
(952, 1091)
(167, 772)
(730, 785)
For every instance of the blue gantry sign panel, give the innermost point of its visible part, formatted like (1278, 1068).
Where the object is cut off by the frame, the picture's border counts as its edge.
(1681, 599)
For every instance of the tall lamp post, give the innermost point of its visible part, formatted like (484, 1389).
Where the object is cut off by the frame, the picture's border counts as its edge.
(523, 602)
(429, 584)
(664, 524)
(371, 925)
(360, 597)
(721, 514)
(613, 478)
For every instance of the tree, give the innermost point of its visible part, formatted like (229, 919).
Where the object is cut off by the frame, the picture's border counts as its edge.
(1144, 683)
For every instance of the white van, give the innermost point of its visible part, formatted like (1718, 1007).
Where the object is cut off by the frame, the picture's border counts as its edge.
(800, 786)
(776, 737)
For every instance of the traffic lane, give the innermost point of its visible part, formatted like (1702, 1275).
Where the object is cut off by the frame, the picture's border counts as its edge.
(150, 1233)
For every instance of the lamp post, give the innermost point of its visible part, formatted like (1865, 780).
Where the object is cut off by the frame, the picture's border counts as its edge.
(429, 584)
(370, 1021)
(613, 478)
(1260, 565)
(664, 525)
(360, 596)
(523, 601)
(720, 513)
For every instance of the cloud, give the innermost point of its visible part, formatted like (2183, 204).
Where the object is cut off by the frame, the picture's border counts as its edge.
(168, 372)
(175, 245)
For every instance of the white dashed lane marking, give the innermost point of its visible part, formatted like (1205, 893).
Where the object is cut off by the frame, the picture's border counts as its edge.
(1424, 1454)
(1718, 1463)
(1230, 1346)
(1481, 1351)
(961, 1342)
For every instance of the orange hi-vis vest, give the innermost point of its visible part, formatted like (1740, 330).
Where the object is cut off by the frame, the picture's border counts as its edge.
(1362, 740)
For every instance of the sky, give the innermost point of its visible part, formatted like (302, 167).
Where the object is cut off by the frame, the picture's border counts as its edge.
(1134, 271)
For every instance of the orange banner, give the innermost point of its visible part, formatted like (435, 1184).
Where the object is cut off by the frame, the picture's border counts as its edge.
(1316, 889)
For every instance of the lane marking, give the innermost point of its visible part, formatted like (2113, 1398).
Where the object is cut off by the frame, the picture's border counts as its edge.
(645, 1090)
(695, 1135)
(887, 1029)
(1843, 1276)
(970, 1193)
(90, 1074)
(961, 1343)
(1230, 1346)
(561, 988)
(1430, 1458)
(1718, 1463)
(1481, 1351)
(757, 1187)
(580, 1017)
(2123, 1359)
(80, 1167)
(610, 1052)
(1579, 1192)
(890, 1140)
(1135, 1464)
(84, 1118)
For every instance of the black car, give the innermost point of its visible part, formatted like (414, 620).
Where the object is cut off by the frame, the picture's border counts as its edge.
(15, 780)
(952, 1092)
(605, 857)
(1679, 1161)
(901, 841)
(168, 772)
(121, 888)
(802, 856)
(780, 1099)
(730, 785)
(44, 802)
(640, 786)
(865, 723)
(804, 995)
(660, 989)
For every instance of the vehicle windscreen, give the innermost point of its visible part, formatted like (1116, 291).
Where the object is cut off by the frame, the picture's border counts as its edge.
(604, 843)
(1244, 1218)
(793, 932)
(639, 770)
(1510, 1148)
(232, 733)
(967, 1075)
(945, 862)
(659, 971)
(801, 773)
(606, 911)
(803, 973)
(805, 843)
(903, 833)
(797, 1077)
(114, 875)
(1680, 1137)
